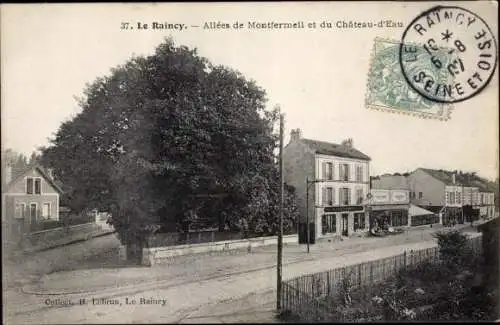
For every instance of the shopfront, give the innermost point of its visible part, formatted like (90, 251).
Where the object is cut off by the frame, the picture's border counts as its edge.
(392, 215)
(453, 215)
(389, 208)
(343, 220)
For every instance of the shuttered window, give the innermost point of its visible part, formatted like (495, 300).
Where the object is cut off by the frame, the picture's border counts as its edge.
(345, 196)
(327, 171)
(29, 185)
(327, 195)
(359, 196)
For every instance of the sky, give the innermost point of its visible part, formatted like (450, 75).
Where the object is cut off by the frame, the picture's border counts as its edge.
(318, 76)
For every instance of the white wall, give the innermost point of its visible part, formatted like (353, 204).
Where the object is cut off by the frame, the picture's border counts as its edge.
(336, 183)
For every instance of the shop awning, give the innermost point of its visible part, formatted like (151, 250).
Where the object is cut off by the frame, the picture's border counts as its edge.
(418, 211)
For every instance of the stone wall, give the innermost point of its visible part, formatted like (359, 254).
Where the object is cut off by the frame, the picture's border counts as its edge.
(165, 255)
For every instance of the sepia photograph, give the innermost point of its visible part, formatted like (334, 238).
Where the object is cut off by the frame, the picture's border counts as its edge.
(254, 162)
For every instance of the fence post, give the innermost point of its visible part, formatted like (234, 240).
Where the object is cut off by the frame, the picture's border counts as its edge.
(359, 274)
(328, 283)
(371, 271)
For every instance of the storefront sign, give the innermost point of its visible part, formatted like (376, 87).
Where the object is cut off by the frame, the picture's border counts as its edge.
(399, 197)
(344, 208)
(389, 197)
(380, 196)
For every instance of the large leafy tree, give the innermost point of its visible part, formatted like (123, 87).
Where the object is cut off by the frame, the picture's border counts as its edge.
(165, 138)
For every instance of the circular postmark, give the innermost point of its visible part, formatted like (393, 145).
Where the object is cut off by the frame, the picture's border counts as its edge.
(448, 54)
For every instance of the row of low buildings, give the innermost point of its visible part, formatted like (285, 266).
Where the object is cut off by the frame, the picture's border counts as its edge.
(336, 194)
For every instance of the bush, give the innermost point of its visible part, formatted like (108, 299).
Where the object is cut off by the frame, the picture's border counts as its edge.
(454, 248)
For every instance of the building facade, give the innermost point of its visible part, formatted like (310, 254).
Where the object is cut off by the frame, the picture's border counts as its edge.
(455, 197)
(391, 206)
(30, 197)
(331, 182)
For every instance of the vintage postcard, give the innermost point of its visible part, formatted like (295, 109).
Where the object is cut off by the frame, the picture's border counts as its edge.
(269, 162)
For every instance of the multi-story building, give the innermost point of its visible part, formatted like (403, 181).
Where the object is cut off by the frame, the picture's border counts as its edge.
(447, 193)
(331, 182)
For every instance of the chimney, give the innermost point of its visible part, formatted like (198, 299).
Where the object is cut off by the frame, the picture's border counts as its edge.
(347, 143)
(50, 173)
(454, 178)
(295, 135)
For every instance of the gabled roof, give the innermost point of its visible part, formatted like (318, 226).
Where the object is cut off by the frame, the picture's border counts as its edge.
(332, 149)
(20, 173)
(468, 180)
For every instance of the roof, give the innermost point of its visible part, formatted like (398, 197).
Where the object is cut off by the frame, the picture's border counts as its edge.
(332, 149)
(19, 173)
(390, 182)
(461, 179)
(418, 211)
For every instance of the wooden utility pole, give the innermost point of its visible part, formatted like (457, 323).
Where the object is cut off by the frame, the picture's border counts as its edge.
(280, 233)
(307, 214)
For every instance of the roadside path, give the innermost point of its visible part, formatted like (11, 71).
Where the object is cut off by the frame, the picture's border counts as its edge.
(186, 300)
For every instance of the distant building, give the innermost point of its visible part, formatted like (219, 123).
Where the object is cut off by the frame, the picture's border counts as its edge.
(337, 198)
(450, 194)
(29, 198)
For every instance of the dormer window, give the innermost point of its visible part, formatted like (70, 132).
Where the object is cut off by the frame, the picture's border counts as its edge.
(33, 185)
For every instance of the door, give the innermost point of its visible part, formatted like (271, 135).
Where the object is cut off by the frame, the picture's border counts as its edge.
(345, 224)
(33, 212)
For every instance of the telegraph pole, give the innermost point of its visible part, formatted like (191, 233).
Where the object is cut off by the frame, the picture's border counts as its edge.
(280, 233)
(307, 213)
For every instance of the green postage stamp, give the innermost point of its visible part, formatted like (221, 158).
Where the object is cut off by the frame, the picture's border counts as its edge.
(387, 89)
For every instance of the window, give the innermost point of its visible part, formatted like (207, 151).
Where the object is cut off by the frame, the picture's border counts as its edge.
(20, 210)
(359, 221)
(328, 170)
(29, 185)
(344, 172)
(458, 197)
(33, 185)
(399, 218)
(345, 196)
(359, 196)
(452, 197)
(327, 196)
(420, 195)
(359, 173)
(38, 186)
(328, 223)
(46, 211)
